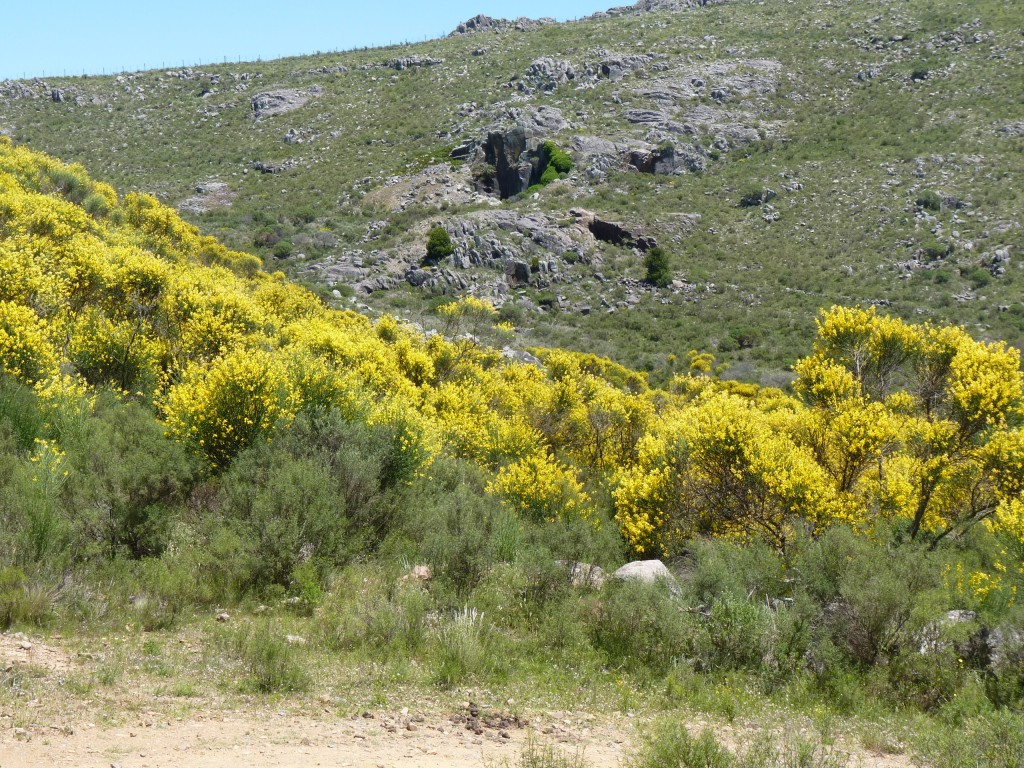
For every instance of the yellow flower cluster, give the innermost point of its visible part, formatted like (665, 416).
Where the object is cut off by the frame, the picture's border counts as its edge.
(540, 488)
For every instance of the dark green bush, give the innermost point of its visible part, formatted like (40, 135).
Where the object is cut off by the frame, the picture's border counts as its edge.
(288, 510)
(20, 417)
(659, 272)
(439, 245)
(127, 480)
(459, 530)
(978, 277)
(555, 163)
(874, 600)
(641, 626)
(928, 200)
(926, 681)
(737, 634)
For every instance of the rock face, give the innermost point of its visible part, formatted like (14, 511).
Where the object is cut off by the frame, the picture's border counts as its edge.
(612, 232)
(270, 103)
(512, 154)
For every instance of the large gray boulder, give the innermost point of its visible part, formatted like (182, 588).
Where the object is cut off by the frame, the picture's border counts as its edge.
(648, 571)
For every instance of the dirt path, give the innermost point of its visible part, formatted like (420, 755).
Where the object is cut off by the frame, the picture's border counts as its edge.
(277, 739)
(55, 728)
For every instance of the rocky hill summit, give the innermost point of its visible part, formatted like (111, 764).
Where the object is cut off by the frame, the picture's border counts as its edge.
(785, 156)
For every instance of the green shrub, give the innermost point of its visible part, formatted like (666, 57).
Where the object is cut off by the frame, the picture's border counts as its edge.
(994, 740)
(96, 205)
(934, 249)
(370, 610)
(534, 755)
(926, 681)
(287, 510)
(127, 479)
(656, 263)
(668, 744)
(873, 599)
(555, 163)
(283, 249)
(754, 195)
(928, 200)
(978, 277)
(641, 626)
(20, 416)
(439, 245)
(737, 634)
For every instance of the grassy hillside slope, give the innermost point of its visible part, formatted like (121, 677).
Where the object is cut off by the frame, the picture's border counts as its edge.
(888, 133)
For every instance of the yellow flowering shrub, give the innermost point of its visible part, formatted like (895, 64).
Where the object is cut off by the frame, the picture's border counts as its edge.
(25, 351)
(225, 406)
(541, 488)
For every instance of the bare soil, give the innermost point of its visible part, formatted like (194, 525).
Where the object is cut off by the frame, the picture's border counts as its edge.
(129, 728)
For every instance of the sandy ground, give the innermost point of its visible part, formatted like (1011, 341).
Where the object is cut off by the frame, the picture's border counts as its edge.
(276, 739)
(63, 732)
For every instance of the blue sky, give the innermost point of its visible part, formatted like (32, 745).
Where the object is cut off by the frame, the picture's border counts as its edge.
(57, 37)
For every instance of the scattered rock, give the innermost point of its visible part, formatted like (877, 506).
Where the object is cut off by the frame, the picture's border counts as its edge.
(585, 574)
(210, 194)
(420, 573)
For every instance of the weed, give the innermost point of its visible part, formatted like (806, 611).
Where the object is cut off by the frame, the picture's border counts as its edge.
(273, 664)
(461, 648)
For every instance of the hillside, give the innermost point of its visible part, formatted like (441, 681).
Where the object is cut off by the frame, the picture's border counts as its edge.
(182, 433)
(787, 156)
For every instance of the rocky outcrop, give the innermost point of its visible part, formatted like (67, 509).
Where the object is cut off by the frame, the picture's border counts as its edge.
(512, 154)
(270, 103)
(208, 195)
(612, 231)
(668, 160)
(408, 62)
(647, 6)
(482, 23)
(544, 74)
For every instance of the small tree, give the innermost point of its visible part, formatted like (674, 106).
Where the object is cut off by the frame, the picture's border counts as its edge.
(658, 271)
(439, 245)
